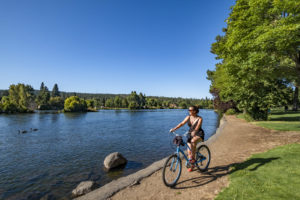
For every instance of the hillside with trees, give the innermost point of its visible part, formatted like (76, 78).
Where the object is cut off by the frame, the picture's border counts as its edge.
(22, 98)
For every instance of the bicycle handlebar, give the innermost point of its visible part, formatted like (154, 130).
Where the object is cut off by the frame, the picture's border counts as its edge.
(185, 134)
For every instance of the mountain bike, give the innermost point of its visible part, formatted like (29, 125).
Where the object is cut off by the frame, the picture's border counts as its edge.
(173, 165)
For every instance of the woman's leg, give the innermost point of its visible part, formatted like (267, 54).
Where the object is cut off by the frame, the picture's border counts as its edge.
(190, 152)
(194, 142)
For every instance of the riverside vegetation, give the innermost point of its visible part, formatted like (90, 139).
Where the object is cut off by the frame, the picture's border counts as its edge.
(23, 98)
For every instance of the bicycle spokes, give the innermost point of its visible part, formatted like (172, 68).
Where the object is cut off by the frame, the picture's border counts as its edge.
(172, 170)
(202, 158)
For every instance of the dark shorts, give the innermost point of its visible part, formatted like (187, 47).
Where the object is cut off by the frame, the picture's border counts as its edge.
(200, 133)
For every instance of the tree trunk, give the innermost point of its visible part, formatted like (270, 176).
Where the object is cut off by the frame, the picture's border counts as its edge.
(295, 99)
(296, 92)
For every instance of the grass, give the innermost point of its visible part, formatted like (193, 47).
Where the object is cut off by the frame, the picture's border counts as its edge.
(282, 121)
(270, 175)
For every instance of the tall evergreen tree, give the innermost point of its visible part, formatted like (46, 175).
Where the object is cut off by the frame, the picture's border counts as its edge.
(55, 91)
(43, 97)
(42, 86)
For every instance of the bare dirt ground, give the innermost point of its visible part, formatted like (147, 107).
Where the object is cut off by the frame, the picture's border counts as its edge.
(237, 142)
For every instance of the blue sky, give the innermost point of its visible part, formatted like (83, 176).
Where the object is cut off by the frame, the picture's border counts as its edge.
(158, 47)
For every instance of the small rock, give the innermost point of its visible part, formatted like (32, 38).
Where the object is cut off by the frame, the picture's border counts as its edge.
(135, 183)
(83, 188)
(114, 160)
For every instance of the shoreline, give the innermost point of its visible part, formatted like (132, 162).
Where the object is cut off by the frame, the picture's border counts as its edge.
(117, 185)
(96, 110)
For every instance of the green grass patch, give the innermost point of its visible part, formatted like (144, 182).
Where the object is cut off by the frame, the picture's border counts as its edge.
(279, 125)
(285, 116)
(240, 116)
(270, 175)
(281, 121)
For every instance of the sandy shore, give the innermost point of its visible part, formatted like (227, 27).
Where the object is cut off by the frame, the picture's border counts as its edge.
(237, 142)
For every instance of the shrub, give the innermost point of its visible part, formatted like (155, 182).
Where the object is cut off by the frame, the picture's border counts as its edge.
(248, 117)
(56, 103)
(230, 111)
(75, 104)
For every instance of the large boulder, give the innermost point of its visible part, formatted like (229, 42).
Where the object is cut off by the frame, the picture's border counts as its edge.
(114, 160)
(83, 188)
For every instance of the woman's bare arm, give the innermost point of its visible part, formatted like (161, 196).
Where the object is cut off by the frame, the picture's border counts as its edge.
(181, 124)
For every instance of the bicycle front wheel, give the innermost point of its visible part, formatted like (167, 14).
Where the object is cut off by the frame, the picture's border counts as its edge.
(202, 158)
(172, 170)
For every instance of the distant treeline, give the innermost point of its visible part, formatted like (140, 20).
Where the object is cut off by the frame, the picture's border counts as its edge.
(22, 98)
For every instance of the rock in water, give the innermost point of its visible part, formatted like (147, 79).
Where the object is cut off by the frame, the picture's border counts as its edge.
(114, 160)
(83, 188)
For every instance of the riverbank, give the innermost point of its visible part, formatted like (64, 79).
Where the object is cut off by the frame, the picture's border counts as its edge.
(235, 144)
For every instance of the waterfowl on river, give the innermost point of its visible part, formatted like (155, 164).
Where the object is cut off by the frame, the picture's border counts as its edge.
(22, 131)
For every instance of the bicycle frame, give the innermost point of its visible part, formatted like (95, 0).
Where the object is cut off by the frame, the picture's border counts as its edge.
(179, 150)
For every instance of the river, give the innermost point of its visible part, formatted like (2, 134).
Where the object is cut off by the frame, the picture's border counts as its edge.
(68, 148)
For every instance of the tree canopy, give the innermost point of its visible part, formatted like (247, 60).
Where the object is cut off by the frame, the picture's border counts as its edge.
(259, 55)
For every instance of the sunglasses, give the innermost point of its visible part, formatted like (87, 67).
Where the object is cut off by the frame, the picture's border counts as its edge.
(191, 110)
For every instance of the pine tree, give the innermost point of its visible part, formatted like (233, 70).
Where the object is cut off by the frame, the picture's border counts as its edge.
(55, 91)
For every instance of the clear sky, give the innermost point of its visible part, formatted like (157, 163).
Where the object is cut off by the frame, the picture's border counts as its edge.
(158, 47)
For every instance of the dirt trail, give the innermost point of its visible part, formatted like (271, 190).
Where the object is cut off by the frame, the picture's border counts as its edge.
(237, 142)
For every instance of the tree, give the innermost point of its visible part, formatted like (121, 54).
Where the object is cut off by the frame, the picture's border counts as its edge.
(255, 44)
(55, 91)
(42, 86)
(151, 102)
(43, 97)
(109, 103)
(117, 102)
(7, 106)
(165, 104)
(56, 103)
(142, 100)
(183, 105)
(75, 104)
(133, 105)
(22, 96)
(133, 101)
(91, 103)
(124, 103)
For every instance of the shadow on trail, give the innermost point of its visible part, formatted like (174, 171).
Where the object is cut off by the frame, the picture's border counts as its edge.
(214, 173)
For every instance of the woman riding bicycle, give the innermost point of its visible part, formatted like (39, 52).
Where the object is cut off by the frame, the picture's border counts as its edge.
(196, 133)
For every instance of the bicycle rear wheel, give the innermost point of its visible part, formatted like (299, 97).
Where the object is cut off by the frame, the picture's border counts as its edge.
(172, 170)
(202, 158)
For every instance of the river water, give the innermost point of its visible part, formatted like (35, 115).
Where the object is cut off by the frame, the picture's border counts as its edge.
(68, 148)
